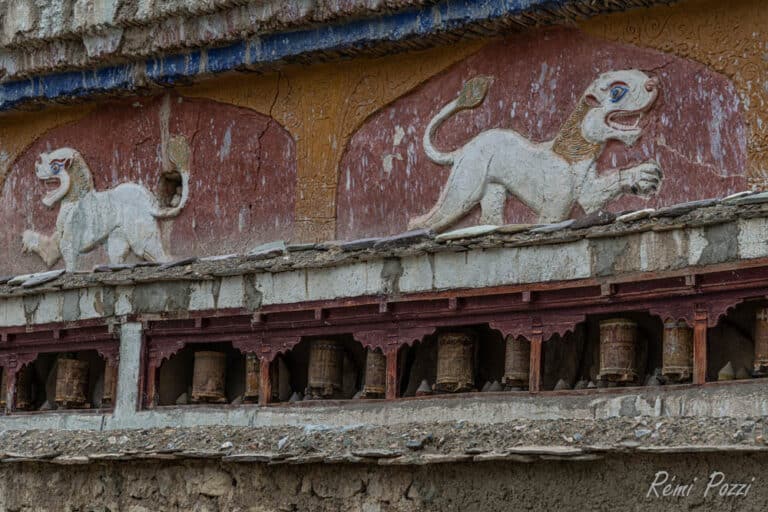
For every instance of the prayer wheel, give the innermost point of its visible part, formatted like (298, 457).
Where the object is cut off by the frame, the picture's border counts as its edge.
(326, 368)
(110, 385)
(274, 377)
(23, 398)
(375, 375)
(618, 345)
(517, 362)
(252, 377)
(677, 351)
(455, 362)
(71, 383)
(208, 377)
(761, 342)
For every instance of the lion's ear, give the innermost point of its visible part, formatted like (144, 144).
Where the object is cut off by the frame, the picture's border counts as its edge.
(68, 163)
(592, 100)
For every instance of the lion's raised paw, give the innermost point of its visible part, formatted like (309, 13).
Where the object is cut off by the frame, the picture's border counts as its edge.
(644, 179)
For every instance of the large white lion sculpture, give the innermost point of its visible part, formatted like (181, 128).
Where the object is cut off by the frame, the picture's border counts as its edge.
(549, 177)
(125, 217)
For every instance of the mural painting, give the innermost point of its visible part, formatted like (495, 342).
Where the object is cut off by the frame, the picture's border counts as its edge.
(537, 128)
(548, 177)
(154, 179)
(123, 218)
(549, 126)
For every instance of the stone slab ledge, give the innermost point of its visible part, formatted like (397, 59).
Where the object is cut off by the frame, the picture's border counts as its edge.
(697, 240)
(411, 444)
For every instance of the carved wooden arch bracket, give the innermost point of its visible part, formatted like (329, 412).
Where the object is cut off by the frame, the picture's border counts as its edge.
(560, 324)
(407, 336)
(547, 324)
(522, 326)
(248, 344)
(386, 339)
(162, 351)
(377, 339)
(23, 359)
(111, 355)
(718, 309)
(675, 311)
(715, 307)
(269, 348)
(8, 361)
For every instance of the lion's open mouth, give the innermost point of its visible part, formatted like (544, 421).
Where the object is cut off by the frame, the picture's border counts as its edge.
(623, 120)
(52, 186)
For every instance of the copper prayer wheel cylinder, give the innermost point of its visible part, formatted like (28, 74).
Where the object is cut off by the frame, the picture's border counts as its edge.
(375, 374)
(326, 368)
(208, 377)
(71, 382)
(677, 351)
(618, 345)
(761, 342)
(252, 377)
(23, 396)
(517, 362)
(110, 384)
(274, 378)
(455, 362)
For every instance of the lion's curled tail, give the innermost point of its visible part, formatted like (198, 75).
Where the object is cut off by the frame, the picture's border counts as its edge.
(179, 155)
(471, 95)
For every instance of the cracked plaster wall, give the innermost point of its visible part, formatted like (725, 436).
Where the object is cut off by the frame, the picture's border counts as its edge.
(322, 106)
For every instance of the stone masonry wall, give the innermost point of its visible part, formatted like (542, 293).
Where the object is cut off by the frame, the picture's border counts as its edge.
(617, 483)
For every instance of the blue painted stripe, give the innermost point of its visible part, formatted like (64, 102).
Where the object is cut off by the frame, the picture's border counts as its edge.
(443, 16)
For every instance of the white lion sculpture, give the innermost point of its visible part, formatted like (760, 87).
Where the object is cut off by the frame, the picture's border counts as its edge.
(125, 217)
(549, 177)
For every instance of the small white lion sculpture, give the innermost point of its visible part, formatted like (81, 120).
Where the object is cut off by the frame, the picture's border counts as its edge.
(549, 177)
(125, 217)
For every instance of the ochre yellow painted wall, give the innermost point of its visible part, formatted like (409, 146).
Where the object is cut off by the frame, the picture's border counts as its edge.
(322, 106)
(18, 130)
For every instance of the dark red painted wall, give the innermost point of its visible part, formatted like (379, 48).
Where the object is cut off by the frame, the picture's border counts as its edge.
(695, 130)
(242, 181)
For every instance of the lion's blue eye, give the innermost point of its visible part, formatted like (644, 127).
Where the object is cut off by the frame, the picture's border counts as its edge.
(618, 92)
(56, 168)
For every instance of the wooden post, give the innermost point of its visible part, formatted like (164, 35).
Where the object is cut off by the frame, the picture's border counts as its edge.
(392, 388)
(534, 376)
(265, 384)
(110, 382)
(151, 384)
(699, 345)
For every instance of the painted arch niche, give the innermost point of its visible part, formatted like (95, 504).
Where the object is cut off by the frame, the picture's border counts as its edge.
(694, 129)
(241, 188)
